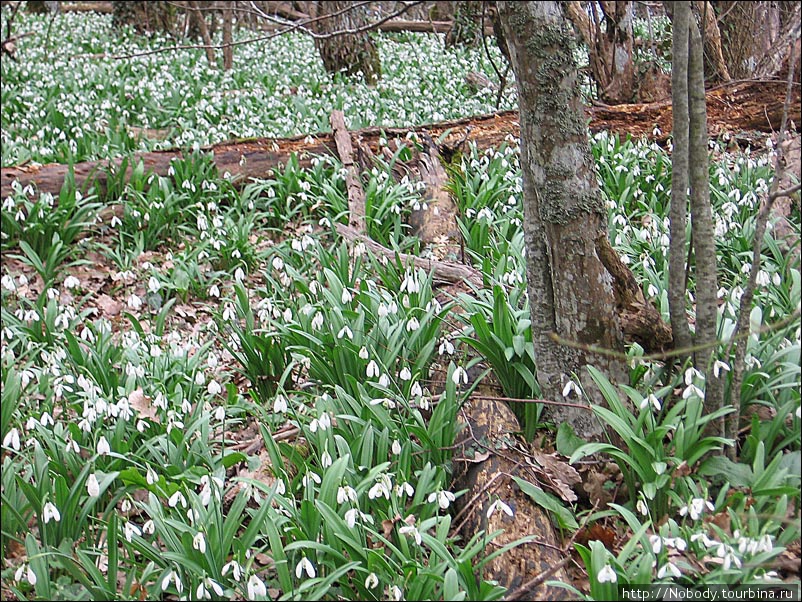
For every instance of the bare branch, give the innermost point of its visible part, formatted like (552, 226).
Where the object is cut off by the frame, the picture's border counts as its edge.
(299, 25)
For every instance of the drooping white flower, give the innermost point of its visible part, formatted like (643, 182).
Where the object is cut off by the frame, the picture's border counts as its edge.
(92, 485)
(103, 447)
(443, 498)
(459, 376)
(500, 505)
(305, 565)
(607, 574)
(256, 588)
(669, 568)
(411, 530)
(280, 404)
(12, 439)
(50, 512)
(130, 530)
(199, 542)
(371, 581)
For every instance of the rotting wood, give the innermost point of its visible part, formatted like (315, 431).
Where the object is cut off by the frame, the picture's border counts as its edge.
(443, 272)
(356, 195)
(435, 221)
(488, 452)
(492, 431)
(739, 106)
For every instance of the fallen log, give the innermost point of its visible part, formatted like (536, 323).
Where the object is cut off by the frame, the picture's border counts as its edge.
(740, 106)
(356, 196)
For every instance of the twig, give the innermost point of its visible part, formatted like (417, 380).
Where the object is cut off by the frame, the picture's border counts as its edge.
(290, 27)
(523, 592)
(518, 400)
(742, 324)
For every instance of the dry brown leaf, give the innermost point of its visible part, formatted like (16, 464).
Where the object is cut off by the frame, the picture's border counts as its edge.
(594, 486)
(142, 404)
(108, 307)
(557, 474)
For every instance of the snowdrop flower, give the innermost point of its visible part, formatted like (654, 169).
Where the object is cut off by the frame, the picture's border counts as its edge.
(651, 399)
(657, 543)
(346, 297)
(214, 388)
(373, 369)
(280, 405)
(239, 274)
(363, 353)
(669, 568)
(92, 486)
(50, 512)
(12, 439)
(444, 498)
(498, 504)
(692, 391)
(571, 386)
(177, 498)
(220, 413)
(384, 380)
(27, 571)
(278, 263)
(235, 568)
(172, 576)
(151, 476)
(103, 447)
(642, 507)
(405, 374)
(404, 489)
(71, 282)
(412, 324)
(322, 423)
(345, 331)
(346, 493)
(153, 284)
(691, 374)
(325, 459)
(411, 530)
(395, 593)
(718, 366)
(310, 477)
(446, 347)
(371, 581)
(134, 302)
(256, 588)
(350, 517)
(459, 375)
(317, 321)
(696, 508)
(305, 565)
(199, 542)
(149, 528)
(130, 530)
(607, 575)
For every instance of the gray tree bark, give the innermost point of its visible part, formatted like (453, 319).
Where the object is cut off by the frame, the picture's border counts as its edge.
(570, 292)
(679, 180)
(348, 53)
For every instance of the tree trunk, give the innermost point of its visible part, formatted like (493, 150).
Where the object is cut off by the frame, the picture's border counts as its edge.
(348, 53)
(609, 40)
(679, 182)
(466, 28)
(42, 7)
(198, 22)
(228, 49)
(570, 292)
(144, 16)
(755, 36)
(703, 232)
